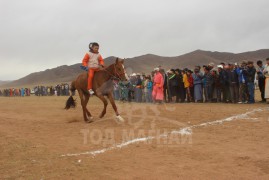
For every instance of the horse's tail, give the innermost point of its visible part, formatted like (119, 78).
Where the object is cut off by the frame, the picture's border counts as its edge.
(71, 103)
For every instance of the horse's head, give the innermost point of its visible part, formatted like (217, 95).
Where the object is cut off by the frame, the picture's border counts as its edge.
(119, 70)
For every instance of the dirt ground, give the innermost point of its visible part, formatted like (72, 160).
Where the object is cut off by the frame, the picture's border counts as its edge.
(41, 140)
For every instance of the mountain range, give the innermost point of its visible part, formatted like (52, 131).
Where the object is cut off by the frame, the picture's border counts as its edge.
(144, 63)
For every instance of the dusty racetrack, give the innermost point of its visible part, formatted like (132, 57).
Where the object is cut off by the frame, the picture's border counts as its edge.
(41, 140)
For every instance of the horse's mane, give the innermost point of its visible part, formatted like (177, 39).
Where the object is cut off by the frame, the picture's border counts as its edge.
(108, 69)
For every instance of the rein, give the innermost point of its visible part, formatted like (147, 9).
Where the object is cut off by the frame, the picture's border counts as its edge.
(115, 72)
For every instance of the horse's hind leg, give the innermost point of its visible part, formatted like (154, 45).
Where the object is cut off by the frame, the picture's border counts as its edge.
(105, 104)
(83, 104)
(87, 97)
(111, 99)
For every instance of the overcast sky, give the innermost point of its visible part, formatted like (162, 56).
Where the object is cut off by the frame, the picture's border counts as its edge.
(37, 35)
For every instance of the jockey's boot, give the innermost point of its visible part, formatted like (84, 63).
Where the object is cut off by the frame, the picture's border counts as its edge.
(91, 92)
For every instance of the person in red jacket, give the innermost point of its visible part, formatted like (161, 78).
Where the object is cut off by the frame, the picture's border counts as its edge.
(92, 62)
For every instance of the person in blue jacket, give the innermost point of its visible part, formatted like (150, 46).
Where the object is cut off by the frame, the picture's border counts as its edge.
(242, 77)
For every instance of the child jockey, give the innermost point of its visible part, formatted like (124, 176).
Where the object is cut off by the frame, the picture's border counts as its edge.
(92, 62)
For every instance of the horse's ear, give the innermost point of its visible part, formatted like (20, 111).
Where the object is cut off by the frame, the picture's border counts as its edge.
(117, 60)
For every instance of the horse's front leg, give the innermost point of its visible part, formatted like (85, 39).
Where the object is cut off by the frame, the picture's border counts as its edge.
(111, 99)
(103, 99)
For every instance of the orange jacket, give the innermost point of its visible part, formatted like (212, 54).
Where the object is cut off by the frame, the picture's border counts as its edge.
(87, 58)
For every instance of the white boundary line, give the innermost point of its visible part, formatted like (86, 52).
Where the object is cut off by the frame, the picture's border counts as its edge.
(183, 131)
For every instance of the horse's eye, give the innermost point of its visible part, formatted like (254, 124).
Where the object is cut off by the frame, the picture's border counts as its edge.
(119, 69)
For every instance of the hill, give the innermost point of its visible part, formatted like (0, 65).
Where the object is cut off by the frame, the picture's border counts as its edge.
(4, 82)
(144, 63)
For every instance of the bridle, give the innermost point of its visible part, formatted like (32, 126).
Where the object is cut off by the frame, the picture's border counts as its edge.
(115, 72)
(119, 74)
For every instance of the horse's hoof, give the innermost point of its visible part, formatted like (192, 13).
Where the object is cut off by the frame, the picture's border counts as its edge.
(89, 120)
(101, 116)
(119, 118)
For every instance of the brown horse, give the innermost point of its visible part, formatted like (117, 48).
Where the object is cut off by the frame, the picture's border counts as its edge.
(102, 86)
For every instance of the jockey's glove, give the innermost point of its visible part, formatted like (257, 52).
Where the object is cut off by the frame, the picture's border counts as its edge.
(85, 68)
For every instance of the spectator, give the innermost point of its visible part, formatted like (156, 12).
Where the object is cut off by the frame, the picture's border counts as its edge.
(208, 81)
(251, 71)
(158, 83)
(266, 74)
(198, 82)
(243, 90)
(233, 83)
(261, 79)
(133, 82)
(172, 86)
(226, 89)
(165, 85)
(138, 89)
(181, 93)
(216, 87)
(116, 92)
(191, 88)
(148, 89)
(124, 90)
